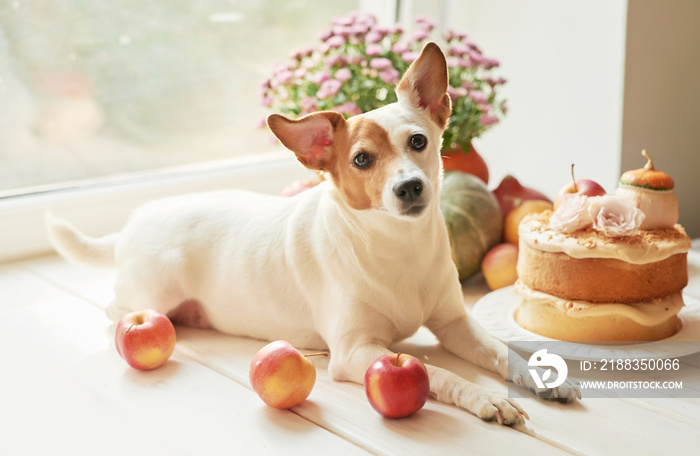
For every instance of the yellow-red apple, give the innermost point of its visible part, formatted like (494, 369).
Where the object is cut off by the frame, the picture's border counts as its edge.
(397, 385)
(499, 266)
(281, 375)
(145, 339)
(514, 217)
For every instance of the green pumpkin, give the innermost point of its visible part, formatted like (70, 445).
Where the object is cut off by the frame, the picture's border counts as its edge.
(473, 218)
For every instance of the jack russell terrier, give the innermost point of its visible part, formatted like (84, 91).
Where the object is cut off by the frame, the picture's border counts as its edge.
(353, 265)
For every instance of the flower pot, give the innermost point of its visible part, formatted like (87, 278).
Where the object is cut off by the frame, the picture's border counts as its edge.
(470, 162)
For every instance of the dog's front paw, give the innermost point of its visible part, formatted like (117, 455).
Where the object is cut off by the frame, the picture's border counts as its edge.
(483, 402)
(493, 406)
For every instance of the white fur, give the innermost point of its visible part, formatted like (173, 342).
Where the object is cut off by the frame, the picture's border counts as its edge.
(312, 270)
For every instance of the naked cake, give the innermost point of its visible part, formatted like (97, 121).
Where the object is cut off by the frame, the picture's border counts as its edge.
(605, 268)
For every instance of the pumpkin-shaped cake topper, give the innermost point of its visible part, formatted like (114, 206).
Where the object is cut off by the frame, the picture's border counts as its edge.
(652, 192)
(647, 177)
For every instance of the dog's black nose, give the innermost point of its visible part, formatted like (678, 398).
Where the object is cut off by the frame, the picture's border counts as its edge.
(408, 190)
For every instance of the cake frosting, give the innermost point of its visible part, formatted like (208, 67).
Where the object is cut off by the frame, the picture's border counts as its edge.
(647, 313)
(644, 247)
(660, 206)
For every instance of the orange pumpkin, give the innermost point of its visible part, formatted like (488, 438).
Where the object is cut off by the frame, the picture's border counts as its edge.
(647, 177)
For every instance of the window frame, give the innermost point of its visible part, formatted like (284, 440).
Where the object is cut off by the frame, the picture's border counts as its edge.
(102, 207)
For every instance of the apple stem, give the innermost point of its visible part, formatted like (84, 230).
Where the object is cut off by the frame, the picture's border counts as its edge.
(649, 164)
(316, 354)
(129, 328)
(573, 179)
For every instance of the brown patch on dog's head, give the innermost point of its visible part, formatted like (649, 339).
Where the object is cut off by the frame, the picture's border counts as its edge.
(357, 153)
(361, 140)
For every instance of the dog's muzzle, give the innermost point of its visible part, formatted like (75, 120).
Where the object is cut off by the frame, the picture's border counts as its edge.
(409, 193)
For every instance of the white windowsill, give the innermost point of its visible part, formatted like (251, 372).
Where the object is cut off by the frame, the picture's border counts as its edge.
(100, 207)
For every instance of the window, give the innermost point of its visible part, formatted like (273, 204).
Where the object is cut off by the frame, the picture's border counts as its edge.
(104, 105)
(94, 89)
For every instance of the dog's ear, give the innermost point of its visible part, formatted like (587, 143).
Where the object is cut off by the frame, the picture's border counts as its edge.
(424, 84)
(311, 138)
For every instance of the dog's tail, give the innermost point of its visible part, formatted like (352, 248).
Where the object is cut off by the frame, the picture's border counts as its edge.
(79, 248)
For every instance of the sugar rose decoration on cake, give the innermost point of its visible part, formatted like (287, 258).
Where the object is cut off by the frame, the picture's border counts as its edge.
(605, 267)
(611, 215)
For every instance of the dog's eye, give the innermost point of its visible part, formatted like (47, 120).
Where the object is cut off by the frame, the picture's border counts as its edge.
(418, 142)
(362, 160)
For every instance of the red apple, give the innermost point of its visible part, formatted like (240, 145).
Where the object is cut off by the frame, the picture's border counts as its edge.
(281, 375)
(510, 193)
(584, 187)
(397, 385)
(145, 339)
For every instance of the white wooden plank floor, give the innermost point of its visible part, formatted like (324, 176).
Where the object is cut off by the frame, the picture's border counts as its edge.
(65, 390)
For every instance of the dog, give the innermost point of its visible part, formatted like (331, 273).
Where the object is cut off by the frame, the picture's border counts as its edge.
(353, 265)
